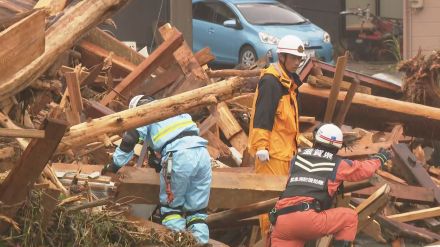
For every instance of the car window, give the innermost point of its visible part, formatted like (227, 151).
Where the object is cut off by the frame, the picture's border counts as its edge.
(203, 11)
(270, 14)
(222, 13)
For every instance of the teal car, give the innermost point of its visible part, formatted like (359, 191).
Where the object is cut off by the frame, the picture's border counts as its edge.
(242, 31)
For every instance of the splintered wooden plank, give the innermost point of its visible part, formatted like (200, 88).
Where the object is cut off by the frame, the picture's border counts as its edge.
(89, 50)
(21, 178)
(402, 193)
(333, 97)
(20, 44)
(412, 170)
(195, 75)
(400, 229)
(228, 189)
(144, 69)
(74, 95)
(416, 215)
(380, 112)
(22, 133)
(230, 127)
(144, 184)
(54, 6)
(110, 43)
(371, 205)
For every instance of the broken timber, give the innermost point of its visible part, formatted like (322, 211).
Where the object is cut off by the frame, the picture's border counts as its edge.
(144, 69)
(75, 21)
(381, 112)
(84, 133)
(19, 181)
(143, 185)
(21, 43)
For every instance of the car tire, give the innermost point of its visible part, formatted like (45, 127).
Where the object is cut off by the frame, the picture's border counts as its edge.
(248, 56)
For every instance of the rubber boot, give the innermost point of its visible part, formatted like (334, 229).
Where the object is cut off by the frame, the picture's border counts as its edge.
(341, 243)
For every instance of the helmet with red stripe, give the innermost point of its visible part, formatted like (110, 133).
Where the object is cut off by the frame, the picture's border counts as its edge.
(329, 135)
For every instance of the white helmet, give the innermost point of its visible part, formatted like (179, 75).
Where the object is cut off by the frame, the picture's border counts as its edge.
(329, 135)
(139, 100)
(292, 45)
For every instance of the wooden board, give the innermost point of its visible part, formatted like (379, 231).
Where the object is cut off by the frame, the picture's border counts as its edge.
(20, 44)
(17, 184)
(413, 170)
(228, 189)
(54, 6)
(381, 112)
(416, 215)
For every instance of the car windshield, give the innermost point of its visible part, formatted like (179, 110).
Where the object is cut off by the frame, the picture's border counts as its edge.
(270, 14)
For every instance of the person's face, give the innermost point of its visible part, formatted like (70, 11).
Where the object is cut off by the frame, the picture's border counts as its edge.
(292, 62)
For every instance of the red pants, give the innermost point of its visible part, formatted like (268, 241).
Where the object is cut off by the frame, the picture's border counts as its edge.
(296, 228)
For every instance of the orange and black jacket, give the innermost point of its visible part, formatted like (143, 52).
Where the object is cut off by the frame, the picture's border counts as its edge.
(274, 122)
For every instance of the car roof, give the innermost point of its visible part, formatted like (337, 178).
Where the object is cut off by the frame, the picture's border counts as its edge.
(239, 1)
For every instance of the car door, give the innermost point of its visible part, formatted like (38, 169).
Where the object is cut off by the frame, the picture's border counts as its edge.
(226, 40)
(203, 17)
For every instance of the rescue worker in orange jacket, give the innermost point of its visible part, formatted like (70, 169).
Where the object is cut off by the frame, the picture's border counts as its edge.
(274, 123)
(303, 211)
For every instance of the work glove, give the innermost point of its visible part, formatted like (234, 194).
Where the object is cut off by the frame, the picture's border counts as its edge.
(153, 160)
(109, 168)
(263, 155)
(383, 155)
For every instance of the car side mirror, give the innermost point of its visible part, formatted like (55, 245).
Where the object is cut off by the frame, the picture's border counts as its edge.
(231, 23)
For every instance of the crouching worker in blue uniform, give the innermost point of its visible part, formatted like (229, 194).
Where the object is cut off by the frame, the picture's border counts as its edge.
(185, 179)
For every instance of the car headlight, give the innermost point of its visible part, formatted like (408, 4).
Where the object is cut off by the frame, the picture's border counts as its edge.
(326, 38)
(268, 39)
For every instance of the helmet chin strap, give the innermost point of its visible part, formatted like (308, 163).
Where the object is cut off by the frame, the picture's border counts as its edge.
(284, 63)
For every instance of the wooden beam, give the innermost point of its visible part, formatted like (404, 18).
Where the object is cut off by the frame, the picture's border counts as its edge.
(21, 43)
(412, 169)
(376, 84)
(228, 189)
(342, 113)
(20, 179)
(230, 127)
(53, 6)
(400, 229)
(74, 23)
(195, 76)
(122, 66)
(381, 112)
(22, 133)
(371, 205)
(233, 72)
(75, 98)
(333, 97)
(402, 193)
(108, 42)
(152, 112)
(326, 82)
(416, 215)
(145, 68)
(144, 184)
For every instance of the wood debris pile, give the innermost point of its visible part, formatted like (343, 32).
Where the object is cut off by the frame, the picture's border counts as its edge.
(64, 90)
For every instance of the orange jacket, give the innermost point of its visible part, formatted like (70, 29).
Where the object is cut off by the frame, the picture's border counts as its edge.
(274, 122)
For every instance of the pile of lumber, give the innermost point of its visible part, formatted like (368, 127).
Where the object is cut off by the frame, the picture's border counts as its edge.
(64, 91)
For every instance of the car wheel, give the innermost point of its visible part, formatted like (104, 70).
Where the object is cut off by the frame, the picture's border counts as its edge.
(248, 56)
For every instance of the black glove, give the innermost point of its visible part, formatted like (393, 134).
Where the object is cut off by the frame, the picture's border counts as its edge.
(153, 161)
(112, 168)
(383, 156)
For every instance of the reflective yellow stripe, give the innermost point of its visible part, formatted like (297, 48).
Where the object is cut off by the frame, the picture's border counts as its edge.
(171, 128)
(195, 218)
(172, 217)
